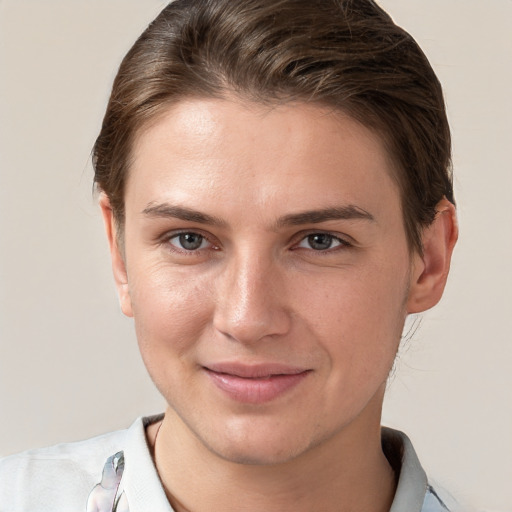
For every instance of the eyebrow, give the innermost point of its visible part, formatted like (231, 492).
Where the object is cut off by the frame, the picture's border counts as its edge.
(166, 210)
(349, 212)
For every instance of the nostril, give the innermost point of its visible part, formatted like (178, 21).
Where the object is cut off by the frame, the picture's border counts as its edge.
(250, 303)
(248, 322)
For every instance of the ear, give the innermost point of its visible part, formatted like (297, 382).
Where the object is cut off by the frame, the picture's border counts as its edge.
(430, 270)
(117, 256)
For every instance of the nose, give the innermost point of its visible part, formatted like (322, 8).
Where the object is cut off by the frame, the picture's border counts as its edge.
(251, 300)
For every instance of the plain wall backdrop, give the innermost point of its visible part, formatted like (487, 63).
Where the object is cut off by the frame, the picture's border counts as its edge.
(69, 364)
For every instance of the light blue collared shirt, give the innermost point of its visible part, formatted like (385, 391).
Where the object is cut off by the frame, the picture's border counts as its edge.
(116, 472)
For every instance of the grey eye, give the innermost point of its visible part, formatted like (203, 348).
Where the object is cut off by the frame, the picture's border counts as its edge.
(189, 241)
(320, 242)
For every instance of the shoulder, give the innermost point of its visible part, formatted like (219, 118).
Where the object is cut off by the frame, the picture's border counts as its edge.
(438, 499)
(415, 492)
(434, 501)
(63, 474)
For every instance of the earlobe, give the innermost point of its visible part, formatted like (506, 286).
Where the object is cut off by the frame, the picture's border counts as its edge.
(430, 270)
(117, 256)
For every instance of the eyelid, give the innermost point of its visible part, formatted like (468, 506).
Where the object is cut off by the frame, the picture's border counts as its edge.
(346, 241)
(177, 238)
(169, 235)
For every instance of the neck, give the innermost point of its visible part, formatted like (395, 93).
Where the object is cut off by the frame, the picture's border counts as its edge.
(347, 472)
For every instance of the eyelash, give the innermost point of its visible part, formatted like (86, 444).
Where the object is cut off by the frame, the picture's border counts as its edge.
(188, 252)
(342, 243)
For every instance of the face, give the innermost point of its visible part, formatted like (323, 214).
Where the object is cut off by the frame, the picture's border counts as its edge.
(268, 272)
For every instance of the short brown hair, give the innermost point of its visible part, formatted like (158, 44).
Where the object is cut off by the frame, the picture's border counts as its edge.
(346, 54)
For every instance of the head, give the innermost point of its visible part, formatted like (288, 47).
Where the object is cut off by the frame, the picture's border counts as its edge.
(346, 55)
(276, 188)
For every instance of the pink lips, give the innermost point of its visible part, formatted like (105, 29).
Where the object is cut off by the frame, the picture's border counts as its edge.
(254, 384)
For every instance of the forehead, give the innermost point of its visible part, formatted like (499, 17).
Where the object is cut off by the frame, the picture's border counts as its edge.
(205, 150)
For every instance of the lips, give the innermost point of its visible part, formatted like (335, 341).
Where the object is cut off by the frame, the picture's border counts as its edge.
(255, 384)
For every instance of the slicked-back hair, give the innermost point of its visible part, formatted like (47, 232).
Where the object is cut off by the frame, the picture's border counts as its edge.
(345, 54)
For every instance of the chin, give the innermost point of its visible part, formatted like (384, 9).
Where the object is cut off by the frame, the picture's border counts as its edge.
(254, 443)
(256, 455)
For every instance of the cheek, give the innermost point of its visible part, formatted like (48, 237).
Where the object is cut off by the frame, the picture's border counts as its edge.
(170, 309)
(359, 315)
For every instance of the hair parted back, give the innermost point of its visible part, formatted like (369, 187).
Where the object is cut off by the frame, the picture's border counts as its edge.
(346, 54)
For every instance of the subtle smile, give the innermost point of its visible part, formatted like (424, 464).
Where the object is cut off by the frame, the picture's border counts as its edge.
(255, 384)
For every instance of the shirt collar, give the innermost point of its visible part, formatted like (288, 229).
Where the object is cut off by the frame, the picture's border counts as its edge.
(412, 480)
(144, 490)
(141, 482)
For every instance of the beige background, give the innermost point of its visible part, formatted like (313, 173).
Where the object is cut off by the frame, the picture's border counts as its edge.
(69, 366)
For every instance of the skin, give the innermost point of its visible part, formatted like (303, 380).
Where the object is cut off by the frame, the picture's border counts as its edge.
(258, 290)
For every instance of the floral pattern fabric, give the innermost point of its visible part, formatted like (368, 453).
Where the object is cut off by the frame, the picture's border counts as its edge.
(108, 495)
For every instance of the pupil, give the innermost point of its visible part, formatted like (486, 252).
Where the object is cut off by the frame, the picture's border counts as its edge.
(320, 241)
(191, 241)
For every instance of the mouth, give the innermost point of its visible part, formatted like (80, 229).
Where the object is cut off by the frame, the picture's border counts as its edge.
(255, 384)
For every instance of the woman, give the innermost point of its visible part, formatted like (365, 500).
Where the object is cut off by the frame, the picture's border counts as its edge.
(275, 183)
